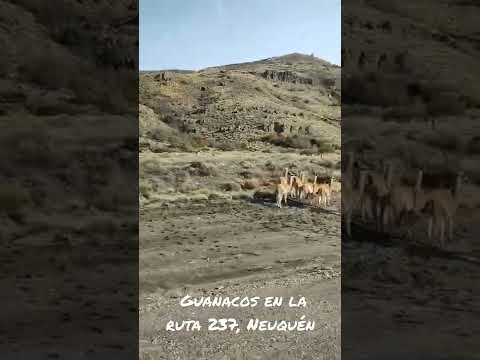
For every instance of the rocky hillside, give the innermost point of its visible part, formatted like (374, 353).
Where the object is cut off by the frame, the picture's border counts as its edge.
(291, 101)
(83, 49)
(414, 51)
(68, 126)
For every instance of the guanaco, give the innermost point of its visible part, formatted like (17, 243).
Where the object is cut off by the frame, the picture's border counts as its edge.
(315, 184)
(350, 201)
(329, 191)
(319, 198)
(347, 177)
(376, 190)
(297, 185)
(284, 179)
(347, 200)
(282, 192)
(436, 220)
(306, 190)
(401, 200)
(443, 205)
(325, 192)
(336, 186)
(321, 193)
(293, 188)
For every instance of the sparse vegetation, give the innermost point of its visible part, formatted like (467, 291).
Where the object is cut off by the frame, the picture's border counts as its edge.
(309, 145)
(221, 132)
(201, 169)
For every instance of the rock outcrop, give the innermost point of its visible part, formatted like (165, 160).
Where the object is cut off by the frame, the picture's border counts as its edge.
(286, 76)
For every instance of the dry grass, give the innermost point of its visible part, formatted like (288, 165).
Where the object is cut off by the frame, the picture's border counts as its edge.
(220, 175)
(228, 145)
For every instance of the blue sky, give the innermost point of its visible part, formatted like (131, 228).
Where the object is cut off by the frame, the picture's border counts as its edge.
(194, 34)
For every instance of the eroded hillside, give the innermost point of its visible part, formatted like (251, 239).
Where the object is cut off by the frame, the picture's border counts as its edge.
(245, 106)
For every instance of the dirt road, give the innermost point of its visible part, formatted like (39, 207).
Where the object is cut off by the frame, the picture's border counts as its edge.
(239, 248)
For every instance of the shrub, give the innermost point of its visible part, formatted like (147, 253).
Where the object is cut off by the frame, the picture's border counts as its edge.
(250, 184)
(186, 186)
(323, 146)
(296, 142)
(310, 145)
(225, 146)
(201, 169)
(312, 151)
(231, 187)
(228, 145)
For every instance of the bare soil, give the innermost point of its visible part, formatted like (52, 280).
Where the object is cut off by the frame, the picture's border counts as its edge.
(239, 248)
